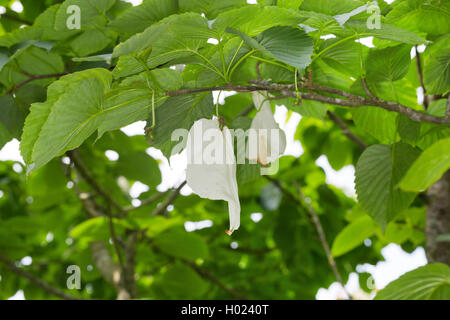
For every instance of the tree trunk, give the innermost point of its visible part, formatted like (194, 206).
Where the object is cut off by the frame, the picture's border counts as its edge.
(438, 220)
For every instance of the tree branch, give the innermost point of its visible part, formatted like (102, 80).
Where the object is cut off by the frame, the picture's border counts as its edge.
(209, 276)
(81, 168)
(345, 130)
(34, 77)
(352, 100)
(38, 282)
(171, 198)
(323, 239)
(316, 222)
(147, 201)
(14, 17)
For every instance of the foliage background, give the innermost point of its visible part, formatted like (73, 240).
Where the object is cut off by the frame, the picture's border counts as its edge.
(311, 234)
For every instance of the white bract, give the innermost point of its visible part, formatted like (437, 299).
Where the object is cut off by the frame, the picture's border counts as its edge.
(211, 166)
(266, 140)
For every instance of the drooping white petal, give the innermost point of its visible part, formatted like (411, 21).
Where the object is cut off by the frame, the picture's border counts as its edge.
(211, 166)
(266, 140)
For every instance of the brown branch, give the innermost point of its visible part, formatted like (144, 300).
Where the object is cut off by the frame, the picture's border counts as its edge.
(130, 262)
(112, 273)
(323, 239)
(209, 276)
(420, 73)
(161, 209)
(351, 100)
(447, 110)
(316, 222)
(38, 282)
(35, 77)
(250, 250)
(81, 168)
(345, 130)
(367, 90)
(147, 201)
(14, 17)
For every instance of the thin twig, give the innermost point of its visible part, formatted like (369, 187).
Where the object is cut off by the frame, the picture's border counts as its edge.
(38, 282)
(35, 77)
(316, 222)
(323, 239)
(367, 90)
(114, 238)
(147, 201)
(171, 198)
(447, 110)
(14, 17)
(345, 130)
(209, 276)
(81, 168)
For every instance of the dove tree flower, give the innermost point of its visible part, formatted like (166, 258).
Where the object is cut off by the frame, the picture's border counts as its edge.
(266, 140)
(211, 166)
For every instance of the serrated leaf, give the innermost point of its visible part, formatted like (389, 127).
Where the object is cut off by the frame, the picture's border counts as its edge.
(378, 171)
(389, 64)
(137, 19)
(252, 20)
(69, 116)
(379, 123)
(178, 112)
(290, 45)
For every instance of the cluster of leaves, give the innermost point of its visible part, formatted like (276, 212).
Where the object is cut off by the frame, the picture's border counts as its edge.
(147, 62)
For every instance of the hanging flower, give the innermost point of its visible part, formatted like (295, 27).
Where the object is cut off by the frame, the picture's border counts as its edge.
(266, 140)
(211, 166)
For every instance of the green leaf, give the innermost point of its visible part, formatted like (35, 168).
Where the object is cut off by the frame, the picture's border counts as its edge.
(343, 56)
(137, 19)
(387, 32)
(178, 36)
(428, 168)
(180, 281)
(331, 7)
(179, 112)
(378, 171)
(289, 4)
(211, 8)
(290, 45)
(252, 20)
(5, 136)
(11, 116)
(69, 116)
(182, 244)
(425, 283)
(379, 123)
(408, 130)
(389, 64)
(421, 16)
(436, 71)
(139, 166)
(353, 235)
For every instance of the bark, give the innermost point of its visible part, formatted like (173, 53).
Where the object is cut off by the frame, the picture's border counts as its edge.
(109, 269)
(438, 220)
